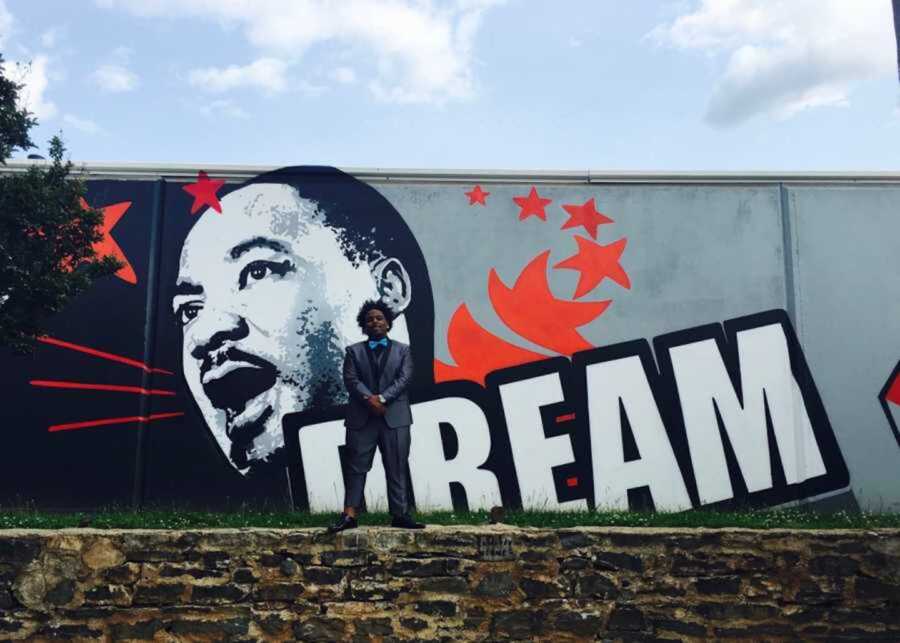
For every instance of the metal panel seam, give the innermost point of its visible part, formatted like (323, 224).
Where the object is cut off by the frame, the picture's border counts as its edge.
(150, 307)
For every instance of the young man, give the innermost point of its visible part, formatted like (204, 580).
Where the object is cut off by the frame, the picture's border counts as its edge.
(377, 373)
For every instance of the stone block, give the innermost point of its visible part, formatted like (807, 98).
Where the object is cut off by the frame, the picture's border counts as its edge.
(228, 593)
(426, 567)
(374, 627)
(436, 608)
(535, 589)
(613, 561)
(718, 585)
(320, 628)
(626, 619)
(414, 624)
(159, 594)
(347, 558)
(169, 570)
(833, 566)
(102, 554)
(573, 540)
(679, 627)
(143, 630)
(443, 585)
(596, 585)
(219, 629)
(324, 575)
(582, 624)
(68, 632)
(278, 592)
(872, 589)
(244, 575)
(496, 584)
(517, 624)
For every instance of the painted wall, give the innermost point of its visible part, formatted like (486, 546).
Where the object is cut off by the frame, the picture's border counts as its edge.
(576, 345)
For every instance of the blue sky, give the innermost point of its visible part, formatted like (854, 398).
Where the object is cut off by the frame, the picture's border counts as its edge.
(517, 84)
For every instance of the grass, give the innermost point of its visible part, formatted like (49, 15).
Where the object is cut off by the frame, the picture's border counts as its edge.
(179, 519)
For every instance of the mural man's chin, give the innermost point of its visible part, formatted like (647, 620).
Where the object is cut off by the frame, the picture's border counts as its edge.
(266, 295)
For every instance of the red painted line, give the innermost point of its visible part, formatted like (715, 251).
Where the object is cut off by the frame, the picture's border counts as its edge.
(572, 482)
(99, 387)
(565, 418)
(126, 420)
(103, 355)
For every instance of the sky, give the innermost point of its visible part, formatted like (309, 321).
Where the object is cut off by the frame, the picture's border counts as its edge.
(686, 85)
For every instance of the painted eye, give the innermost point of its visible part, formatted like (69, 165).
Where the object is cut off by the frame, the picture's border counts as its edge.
(259, 270)
(187, 312)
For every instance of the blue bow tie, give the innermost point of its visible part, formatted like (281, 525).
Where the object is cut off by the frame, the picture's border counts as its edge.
(381, 342)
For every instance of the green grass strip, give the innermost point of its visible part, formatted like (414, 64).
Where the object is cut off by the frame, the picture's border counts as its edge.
(177, 519)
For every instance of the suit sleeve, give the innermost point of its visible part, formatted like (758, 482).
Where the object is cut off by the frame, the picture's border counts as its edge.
(355, 387)
(398, 386)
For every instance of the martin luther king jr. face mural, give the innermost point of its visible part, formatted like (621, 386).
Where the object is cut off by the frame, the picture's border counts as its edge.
(267, 294)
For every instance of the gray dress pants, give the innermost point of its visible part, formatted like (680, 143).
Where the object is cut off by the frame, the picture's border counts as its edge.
(394, 447)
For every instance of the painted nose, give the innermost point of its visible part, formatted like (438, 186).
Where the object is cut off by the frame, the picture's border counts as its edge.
(215, 329)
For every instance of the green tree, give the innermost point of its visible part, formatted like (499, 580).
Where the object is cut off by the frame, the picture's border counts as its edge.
(46, 235)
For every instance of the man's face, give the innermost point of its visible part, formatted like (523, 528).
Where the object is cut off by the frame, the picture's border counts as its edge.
(377, 325)
(267, 300)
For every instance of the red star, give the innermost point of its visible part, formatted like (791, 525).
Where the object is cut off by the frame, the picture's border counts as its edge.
(596, 262)
(204, 192)
(532, 205)
(585, 215)
(477, 195)
(107, 246)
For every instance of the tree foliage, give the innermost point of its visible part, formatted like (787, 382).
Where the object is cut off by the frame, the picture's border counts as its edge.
(46, 235)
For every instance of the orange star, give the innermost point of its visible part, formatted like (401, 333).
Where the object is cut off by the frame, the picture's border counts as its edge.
(477, 195)
(533, 204)
(204, 192)
(596, 262)
(585, 215)
(107, 246)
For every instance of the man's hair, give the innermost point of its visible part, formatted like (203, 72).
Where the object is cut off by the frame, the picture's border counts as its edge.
(374, 304)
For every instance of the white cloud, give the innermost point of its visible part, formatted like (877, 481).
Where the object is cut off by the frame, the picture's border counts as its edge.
(344, 75)
(114, 78)
(223, 107)
(34, 78)
(265, 73)
(82, 124)
(785, 57)
(421, 51)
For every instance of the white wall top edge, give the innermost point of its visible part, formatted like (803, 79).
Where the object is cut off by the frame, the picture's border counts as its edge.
(179, 171)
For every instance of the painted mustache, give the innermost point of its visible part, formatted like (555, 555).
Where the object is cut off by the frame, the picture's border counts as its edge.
(232, 377)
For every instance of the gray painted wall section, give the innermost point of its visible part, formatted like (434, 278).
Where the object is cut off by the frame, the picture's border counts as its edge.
(847, 288)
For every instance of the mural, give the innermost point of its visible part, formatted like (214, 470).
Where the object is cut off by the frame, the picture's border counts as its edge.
(559, 360)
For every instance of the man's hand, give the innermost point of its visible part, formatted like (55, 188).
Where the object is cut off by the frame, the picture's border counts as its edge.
(375, 405)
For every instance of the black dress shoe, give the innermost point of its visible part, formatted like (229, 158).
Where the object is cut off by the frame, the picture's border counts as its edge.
(405, 522)
(343, 522)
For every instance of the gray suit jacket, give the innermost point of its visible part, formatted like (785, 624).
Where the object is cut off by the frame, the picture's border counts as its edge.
(396, 374)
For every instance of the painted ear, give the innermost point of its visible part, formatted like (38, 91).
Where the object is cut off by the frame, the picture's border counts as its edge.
(394, 285)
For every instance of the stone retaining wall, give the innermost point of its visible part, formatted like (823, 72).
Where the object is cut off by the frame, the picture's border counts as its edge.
(470, 583)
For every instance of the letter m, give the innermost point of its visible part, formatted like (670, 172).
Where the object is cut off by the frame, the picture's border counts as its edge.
(743, 389)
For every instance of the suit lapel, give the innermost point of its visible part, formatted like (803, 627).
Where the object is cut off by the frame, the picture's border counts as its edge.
(364, 363)
(385, 364)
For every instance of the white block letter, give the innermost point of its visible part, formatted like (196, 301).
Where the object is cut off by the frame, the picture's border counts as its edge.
(625, 380)
(765, 370)
(533, 453)
(432, 473)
